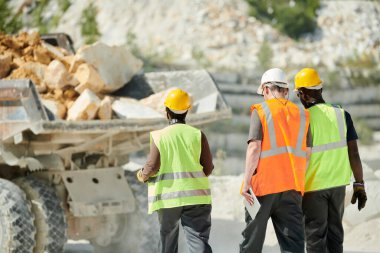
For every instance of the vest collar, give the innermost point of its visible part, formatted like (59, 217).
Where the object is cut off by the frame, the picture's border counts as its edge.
(176, 121)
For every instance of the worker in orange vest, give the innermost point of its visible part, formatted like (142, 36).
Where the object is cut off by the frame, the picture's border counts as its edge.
(275, 168)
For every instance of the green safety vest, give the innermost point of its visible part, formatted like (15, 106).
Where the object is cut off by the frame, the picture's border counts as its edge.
(329, 165)
(180, 180)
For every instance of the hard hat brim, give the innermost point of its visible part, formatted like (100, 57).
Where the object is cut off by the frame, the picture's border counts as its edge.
(178, 111)
(318, 87)
(279, 84)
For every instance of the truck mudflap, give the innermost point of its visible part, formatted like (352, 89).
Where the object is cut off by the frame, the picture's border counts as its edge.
(95, 192)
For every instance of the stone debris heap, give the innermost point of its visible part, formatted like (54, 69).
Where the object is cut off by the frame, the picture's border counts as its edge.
(73, 87)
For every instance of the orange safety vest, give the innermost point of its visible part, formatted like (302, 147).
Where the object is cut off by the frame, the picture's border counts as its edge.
(282, 163)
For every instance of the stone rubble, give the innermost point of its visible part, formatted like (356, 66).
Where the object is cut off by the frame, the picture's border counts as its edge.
(73, 87)
(85, 107)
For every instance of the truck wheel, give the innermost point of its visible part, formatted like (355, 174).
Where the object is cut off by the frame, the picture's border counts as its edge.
(138, 232)
(16, 220)
(50, 220)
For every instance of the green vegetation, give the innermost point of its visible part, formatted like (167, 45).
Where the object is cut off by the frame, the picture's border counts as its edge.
(362, 70)
(64, 5)
(151, 58)
(9, 22)
(33, 18)
(265, 56)
(292, 17)
(200, 57)
(89, 25)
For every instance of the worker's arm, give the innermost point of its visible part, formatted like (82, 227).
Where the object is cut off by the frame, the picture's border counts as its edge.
(356, 166)
(152, 165)
(251, 162)
(355, 162)
(206, 157)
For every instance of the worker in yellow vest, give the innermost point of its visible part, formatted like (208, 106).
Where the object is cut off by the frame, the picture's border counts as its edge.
(334, 157)
(275, 166)
(177, 171)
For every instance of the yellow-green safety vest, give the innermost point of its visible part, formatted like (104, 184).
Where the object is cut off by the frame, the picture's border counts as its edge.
(329, 164)
(180, 180)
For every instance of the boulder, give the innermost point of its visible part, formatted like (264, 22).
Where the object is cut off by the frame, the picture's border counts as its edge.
(55, 107)
(127, 108)
(105, 109)
(54, 52)
(17, 62)
(57, 77)
(5, 65)
(41, 55)
(30, 70)
(116, 65)
(156, 101)
(88, 78)
(85, 107)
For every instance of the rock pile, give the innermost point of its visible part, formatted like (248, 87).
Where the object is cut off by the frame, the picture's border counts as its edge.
(72, 87)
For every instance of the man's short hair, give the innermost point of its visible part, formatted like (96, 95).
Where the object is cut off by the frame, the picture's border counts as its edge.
(274, 87)
(316, 94)
(180, 117)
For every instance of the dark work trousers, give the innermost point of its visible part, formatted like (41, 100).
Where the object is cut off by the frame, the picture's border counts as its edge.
(196, 223)
(323, 211)
(285, 209)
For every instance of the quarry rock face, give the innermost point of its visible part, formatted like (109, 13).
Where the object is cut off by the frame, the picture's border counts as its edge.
(115, 65)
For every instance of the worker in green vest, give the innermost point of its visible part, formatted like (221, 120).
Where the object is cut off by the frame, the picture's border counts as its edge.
(177, 173)
(334, 157)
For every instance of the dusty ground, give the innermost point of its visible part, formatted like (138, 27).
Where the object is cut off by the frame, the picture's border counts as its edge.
(362, 229)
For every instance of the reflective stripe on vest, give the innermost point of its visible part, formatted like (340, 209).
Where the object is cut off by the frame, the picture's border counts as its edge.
(275, 150)
(334, 145)
(177, 175)
(180, 194)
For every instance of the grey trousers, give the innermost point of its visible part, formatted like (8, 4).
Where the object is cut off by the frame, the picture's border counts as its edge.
(196, 223)
(323, 211)
(285, 209)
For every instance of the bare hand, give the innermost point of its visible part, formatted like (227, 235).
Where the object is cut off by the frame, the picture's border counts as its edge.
(247, 195)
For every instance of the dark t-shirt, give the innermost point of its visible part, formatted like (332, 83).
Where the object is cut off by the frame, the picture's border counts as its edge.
(256, 132)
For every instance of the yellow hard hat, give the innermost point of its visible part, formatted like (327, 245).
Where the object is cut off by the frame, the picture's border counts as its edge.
(178, 101)
(308, 78)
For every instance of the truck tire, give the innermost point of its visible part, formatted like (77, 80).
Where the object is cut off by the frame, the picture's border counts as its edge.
(50, 220)
(138, 232)
(16, 220)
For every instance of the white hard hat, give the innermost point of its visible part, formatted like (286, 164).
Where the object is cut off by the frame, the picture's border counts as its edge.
(274, 76)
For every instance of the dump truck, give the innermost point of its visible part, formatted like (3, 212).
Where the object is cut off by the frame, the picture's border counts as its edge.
(63, 180)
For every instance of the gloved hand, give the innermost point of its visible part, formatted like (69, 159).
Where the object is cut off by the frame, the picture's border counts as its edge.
(140, 176)
(359, 194)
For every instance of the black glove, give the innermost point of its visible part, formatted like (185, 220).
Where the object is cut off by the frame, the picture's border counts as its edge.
(359, 194)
